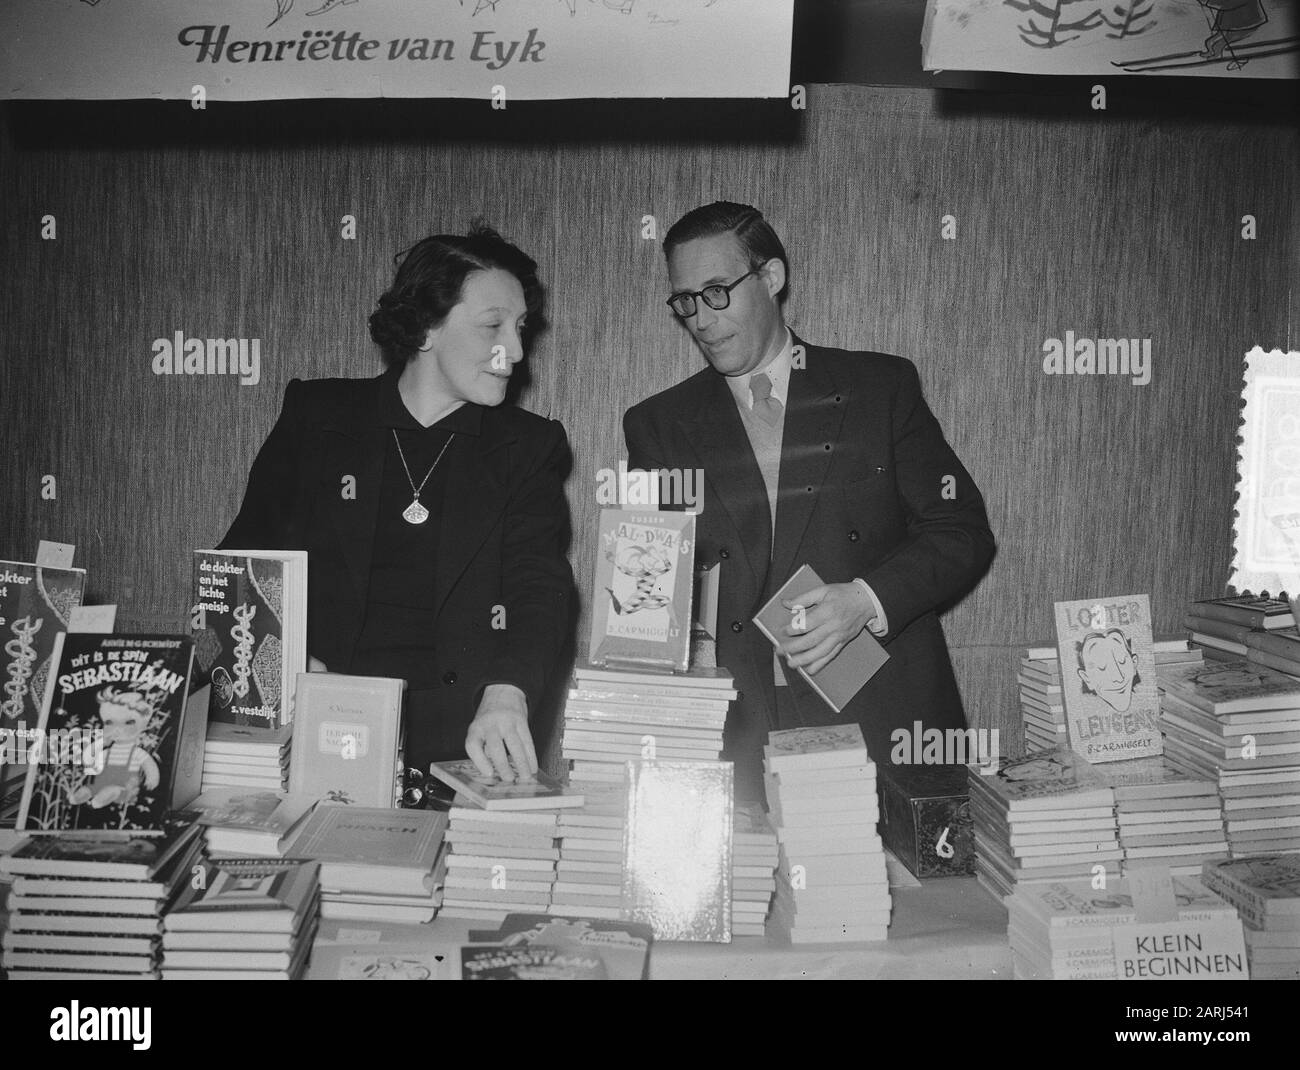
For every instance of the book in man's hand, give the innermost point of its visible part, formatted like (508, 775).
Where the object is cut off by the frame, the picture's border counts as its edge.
(846, 673)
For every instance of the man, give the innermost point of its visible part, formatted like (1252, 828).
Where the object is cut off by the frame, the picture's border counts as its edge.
(810, 456)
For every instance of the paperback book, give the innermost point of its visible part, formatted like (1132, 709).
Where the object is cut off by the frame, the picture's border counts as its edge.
(541, 792)
(111, 726)
(641, 601)
(346, 740)
(250, 627)
(1108, 677)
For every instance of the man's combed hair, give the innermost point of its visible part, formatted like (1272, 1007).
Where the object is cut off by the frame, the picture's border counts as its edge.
(752, 231)
(431, 278)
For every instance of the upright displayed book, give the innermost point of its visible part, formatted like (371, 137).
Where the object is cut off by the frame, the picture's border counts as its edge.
(1042, 708)
(246, 919)
(88, 905)
(347, 738)
(1237, 724)
(1108, 677)
(377, 863)
(250, 627)
(1045, 817)
(114, 714)
(1064, 930)
(1265, 889)
(641, 599)
(846, 673)
(677, 849)
(832, 882)
(622, 946)
(36, 604)
(498, 861)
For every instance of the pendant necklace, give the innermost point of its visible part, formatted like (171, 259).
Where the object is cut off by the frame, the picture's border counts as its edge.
(415, 513)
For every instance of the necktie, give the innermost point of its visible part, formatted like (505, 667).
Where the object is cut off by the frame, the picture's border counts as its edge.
(766, 407)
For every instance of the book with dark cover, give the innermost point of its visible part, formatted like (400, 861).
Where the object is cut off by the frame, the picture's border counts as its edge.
(36, 604)
(250, 626)
(137, 856)
(641, 598)
(531, 963)
(926, 818)
(850, 669)
(1249, 611)
(113, 718)
(624, 946)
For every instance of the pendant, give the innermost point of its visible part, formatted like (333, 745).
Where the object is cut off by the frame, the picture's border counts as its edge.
(415, 513)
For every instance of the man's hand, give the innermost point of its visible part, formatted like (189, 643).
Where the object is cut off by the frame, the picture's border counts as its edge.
(832, 616)
(498, 741)
(315, 665)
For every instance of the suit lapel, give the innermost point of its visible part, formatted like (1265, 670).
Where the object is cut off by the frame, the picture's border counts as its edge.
(476, 497)
(718, 438)
(815, 408)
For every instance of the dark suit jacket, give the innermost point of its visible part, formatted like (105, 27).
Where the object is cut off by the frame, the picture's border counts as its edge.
(502, 542)
(861, 495)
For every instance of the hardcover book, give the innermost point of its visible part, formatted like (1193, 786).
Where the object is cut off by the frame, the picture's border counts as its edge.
(36, 604)
(677, 849)
(134, 856)
(250, 626)
(346, 740)
(234, 888)
(540, 793)
(1108, 677)
(373, 849)
(1238, 686)
(1248, 611)
(641, 600)
(114, 715)
(1054, 779)
(848, 672)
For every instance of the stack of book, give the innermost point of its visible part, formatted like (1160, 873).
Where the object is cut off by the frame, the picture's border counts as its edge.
(376, 864)
(755, 854)
(1166, 815)
(245, 919)
(1266, 892)
(1278, 649)
(244, 823)
(1224, 625)
(88, 906)
(246, 756)
(1238, 723)
(613, 715)
(589, 872)
(1064, 931)
(1042, 709)
(502, 842)
(1043, 818)
(832, 884)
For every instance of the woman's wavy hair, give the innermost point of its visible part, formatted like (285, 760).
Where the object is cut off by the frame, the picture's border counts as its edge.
(431, 278)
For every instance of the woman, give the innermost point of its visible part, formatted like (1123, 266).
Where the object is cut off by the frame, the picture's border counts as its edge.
(433, 516)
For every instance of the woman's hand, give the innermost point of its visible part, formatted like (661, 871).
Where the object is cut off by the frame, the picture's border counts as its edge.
(499, 741)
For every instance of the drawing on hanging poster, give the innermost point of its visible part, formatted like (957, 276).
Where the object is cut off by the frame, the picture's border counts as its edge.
(1210, 38)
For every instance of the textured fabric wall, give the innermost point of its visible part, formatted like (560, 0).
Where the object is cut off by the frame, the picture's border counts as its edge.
(1103, 227)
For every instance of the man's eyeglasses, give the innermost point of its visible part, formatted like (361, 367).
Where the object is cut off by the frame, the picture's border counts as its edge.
(717, 297)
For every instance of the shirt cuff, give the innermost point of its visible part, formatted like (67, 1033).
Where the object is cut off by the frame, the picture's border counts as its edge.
(880, 625)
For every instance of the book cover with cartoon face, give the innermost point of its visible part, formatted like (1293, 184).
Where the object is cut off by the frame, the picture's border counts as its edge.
(109, 734)
(1108, 677)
